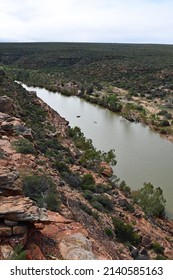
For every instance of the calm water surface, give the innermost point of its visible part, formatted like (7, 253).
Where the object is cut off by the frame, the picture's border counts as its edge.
(142, 155)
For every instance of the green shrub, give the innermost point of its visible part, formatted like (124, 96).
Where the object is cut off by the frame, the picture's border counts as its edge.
(87, 182)
(105, 201)
(88, 194)
(109, 232)
(100, 202)
(129, 207)
(23, 146)
(19, 253)
(97, 205)
(73, 179)
(162, 112)
(95, 215)
(166, 114)
(161, 257)
(42, 190)
(157, 248)
(86, 209)
(125, 189)
(101, 188)
(61, 166)
(125, 232)
(151, 200)
(139, 107)
(52, 201)
(164, 122)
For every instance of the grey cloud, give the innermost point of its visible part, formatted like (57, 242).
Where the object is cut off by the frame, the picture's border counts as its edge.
(91, 20)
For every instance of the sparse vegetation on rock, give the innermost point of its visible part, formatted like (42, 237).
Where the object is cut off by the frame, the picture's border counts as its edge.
(23, 146)
(42, 190)
(125, 232)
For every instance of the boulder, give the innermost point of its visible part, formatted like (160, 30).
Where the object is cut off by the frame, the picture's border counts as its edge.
(106, 169)
(76, 247)
(6, 104)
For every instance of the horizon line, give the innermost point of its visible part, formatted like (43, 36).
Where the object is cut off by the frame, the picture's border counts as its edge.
(80, 42)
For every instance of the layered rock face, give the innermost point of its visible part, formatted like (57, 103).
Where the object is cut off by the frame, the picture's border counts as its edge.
(17, 212)
(9, 182)
(21, 221)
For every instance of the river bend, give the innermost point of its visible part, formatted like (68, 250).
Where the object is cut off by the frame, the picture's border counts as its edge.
(142, 155)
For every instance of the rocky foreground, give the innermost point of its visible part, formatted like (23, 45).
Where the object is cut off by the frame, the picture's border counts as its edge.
(71, 232)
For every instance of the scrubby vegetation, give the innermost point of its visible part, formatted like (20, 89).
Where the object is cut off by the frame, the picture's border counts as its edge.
(151, 200)
(125, 232)
(90, 157)
(42, 190)
(158, 248)
(24, 146)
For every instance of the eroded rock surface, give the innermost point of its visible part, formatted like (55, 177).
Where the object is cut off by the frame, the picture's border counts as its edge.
(9, 181)
(76, 247)
(106, 169)
(20, 208)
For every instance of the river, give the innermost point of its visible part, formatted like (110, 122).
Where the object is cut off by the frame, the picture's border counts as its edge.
(142, 155)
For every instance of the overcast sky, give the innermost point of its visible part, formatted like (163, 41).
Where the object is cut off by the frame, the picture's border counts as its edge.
(116, 21)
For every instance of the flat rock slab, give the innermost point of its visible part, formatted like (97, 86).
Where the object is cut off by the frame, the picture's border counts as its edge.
(19, 208)
(76, 247)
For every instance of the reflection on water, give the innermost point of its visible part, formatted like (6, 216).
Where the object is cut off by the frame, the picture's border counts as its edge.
(142, 156)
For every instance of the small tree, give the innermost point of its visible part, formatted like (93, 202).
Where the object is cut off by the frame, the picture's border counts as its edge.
(151, 200)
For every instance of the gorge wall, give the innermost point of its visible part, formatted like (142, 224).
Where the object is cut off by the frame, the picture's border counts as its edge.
(77, 229)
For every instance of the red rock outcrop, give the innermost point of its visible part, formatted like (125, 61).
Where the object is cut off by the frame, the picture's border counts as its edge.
(106, 169)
